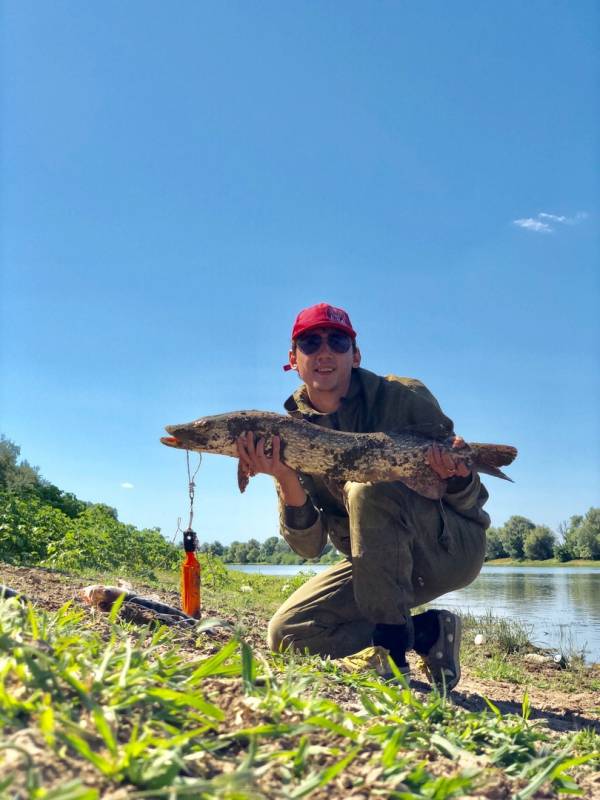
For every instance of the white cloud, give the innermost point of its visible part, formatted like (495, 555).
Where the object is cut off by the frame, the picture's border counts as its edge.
(533, 225)
(127, 485)
(544, 221)
(551, 217)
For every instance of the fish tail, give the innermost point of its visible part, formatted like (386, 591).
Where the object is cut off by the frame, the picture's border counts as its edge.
(487, 458)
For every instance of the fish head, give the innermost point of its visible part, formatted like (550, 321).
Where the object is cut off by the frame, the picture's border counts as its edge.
(219, 433)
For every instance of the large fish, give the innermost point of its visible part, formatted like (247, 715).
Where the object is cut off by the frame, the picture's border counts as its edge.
(361, 457)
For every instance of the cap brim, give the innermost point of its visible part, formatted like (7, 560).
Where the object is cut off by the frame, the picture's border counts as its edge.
(335, 325)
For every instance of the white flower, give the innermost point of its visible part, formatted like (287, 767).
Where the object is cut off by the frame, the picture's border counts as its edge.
(246, 588)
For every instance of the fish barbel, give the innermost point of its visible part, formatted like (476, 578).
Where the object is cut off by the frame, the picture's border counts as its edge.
(338, 455)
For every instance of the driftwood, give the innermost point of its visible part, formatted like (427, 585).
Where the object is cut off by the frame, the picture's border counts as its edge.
(135, 608)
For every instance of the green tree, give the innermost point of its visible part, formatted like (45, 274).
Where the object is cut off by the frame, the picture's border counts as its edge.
(236, 553)
(64, 501)
(513, 534)
(268, 548)
(587, 535)
(581, 536)
(494, 547)
(212, 548)
(253, 555)
(15, 476)
(539, 543)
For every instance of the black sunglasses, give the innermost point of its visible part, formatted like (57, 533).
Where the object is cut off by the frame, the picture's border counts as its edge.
(311, 343)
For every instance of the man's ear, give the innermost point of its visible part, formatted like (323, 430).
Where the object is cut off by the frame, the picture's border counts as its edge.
(356, 358)
(292, 360)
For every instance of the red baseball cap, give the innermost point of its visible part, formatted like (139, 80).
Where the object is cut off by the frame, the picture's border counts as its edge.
(322, 316)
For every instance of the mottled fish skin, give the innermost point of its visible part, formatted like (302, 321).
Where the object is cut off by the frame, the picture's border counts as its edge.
(338, 455)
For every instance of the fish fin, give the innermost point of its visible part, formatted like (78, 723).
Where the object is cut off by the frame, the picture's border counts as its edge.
(497, 473)
(243, 478)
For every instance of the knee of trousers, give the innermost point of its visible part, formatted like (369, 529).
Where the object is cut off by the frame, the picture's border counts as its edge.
(279, 634)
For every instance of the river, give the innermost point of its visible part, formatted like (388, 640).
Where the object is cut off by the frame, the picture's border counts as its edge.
(560, 606)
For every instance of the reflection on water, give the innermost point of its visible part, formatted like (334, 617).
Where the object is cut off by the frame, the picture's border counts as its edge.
(559, 605)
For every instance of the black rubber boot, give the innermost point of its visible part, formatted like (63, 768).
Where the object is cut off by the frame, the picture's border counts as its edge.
(397, 639)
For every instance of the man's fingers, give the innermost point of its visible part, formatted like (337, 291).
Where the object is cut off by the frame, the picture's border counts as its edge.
(276, 450)
(250, 444)
(242, 452)
(263, 460)
(445, 464)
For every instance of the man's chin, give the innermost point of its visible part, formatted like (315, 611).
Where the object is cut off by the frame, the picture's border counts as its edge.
(323, 385)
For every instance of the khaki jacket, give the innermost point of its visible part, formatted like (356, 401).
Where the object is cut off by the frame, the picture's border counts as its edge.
(373, 404)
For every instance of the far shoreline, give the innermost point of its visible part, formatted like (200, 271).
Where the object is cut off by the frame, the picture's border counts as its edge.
(497, 562)
(549, 562)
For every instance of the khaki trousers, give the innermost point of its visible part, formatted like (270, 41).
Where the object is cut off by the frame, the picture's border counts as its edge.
(406, 550)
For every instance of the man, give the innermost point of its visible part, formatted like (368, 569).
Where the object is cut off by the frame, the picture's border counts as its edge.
(402, 549)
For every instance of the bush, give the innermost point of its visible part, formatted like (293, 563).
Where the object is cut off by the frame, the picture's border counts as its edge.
(563, 552)
(98, 541)
(29, 528)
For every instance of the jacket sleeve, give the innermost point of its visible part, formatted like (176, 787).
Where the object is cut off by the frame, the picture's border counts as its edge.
(466, 498)
(410, 404)
(307, 542)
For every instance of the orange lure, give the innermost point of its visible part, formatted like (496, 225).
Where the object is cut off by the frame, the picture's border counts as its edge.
(190, 576)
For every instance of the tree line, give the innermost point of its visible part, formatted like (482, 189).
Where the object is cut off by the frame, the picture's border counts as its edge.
(520, 538)
(274, 550)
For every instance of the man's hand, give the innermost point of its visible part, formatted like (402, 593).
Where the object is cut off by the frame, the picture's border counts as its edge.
(254, 461)
(446, 465)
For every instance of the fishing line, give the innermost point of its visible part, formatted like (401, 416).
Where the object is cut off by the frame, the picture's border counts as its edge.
(190, 567)
(191, 484)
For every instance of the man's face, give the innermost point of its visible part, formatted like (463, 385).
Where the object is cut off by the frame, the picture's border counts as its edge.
(325, 370)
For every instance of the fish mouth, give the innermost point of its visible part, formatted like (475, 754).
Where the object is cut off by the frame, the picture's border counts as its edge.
(172, 441)
(187, 436)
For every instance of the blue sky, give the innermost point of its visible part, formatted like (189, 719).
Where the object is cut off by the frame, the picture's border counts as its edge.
(179, 180)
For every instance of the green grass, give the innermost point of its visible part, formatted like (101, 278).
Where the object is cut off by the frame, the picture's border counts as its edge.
(498, 668)
(89, 705)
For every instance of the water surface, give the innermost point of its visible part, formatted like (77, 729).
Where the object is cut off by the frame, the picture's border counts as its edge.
(559, 605)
